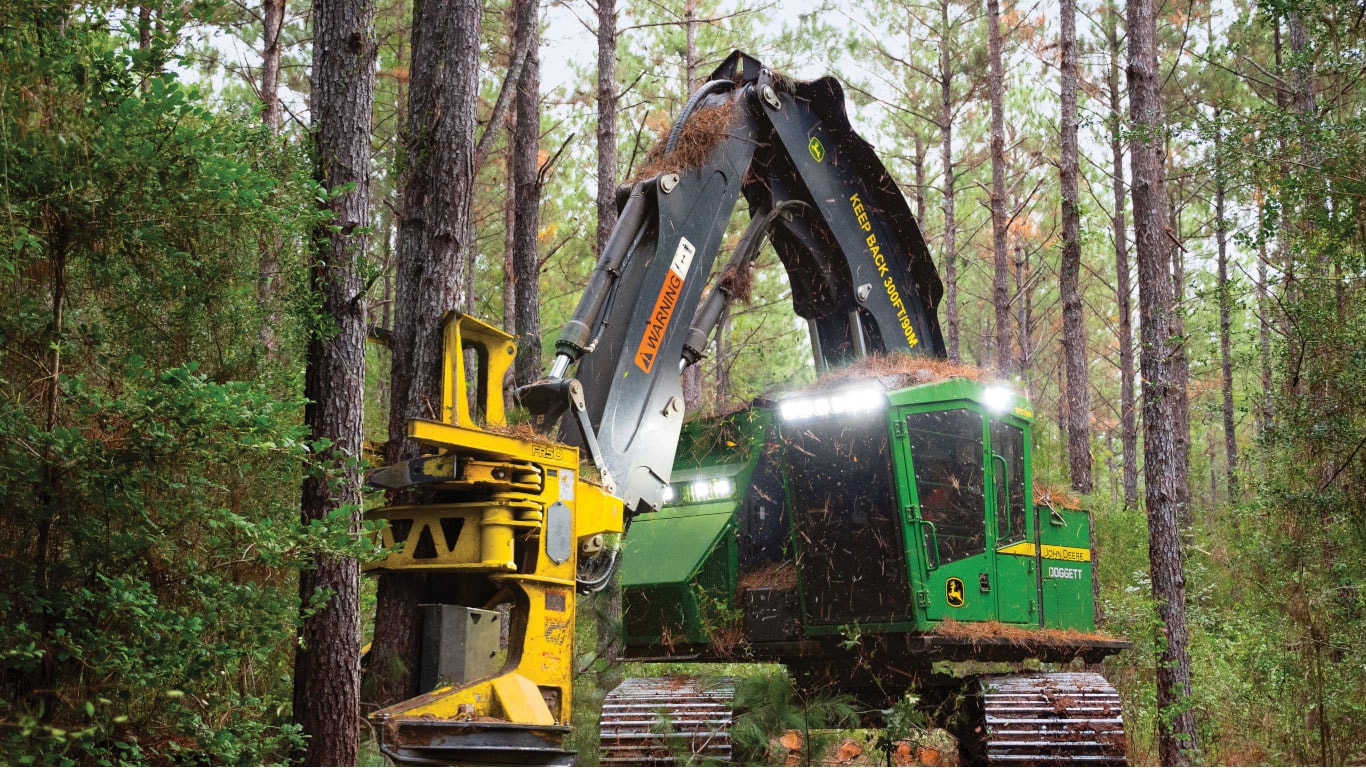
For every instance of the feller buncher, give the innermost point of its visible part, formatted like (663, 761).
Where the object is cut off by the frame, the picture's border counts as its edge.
(839, 530)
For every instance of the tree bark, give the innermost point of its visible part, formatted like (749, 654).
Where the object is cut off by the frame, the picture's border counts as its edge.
(607, 120)
(1181, 389)
(268, 265)
(145, 27)
(946, 152)
(606, 605)
(273, 18)
(1069, 278)
(327, 663)
(1163, 496)
(1264, 334)
(1128, 418)
(1023, 311)
(526, 255)
(919, 180)
(1001, 281)
(434, 246)
(1225, 315)
(690, 46)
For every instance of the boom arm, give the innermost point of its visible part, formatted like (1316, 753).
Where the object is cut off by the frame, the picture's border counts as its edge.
(860, 271)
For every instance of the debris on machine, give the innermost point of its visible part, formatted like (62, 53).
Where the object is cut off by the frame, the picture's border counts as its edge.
(1052, 497)
(703, 131)
(775, 576)
(899, 370)
(1015, 634)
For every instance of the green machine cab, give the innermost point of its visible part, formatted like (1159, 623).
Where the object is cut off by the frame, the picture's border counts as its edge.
(879, 511)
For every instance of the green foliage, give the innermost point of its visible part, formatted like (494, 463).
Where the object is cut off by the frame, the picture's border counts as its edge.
(149, 449)
(768, 705)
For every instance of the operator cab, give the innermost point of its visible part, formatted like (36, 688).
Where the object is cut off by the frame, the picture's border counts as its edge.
(914, 506)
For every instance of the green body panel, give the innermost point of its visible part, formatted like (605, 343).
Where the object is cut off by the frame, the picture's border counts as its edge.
(680, 565)
(1068, 599)
(678, 573)
(668, 548)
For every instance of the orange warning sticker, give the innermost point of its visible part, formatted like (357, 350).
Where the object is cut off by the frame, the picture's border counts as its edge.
(669, 294)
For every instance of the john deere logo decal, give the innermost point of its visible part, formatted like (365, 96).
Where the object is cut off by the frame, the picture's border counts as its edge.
(953, 592)
(817, 149)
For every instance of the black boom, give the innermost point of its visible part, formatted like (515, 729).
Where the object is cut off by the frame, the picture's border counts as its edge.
(860, 271)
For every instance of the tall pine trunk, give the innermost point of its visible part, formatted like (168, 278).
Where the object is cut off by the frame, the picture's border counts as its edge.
(273, 23)
(1181, 389)
(268, 265)
(1161, 420)
(1000, 292)
(1073, 329)
(1225, 315)
(327, 663)
(607, 121)
(946, 152)
(1128, 418)
(526, 256)
(607, 603)
(435, 240)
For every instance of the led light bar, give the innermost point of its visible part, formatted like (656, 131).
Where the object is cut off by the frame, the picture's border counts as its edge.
(850, 401)
(704, 489)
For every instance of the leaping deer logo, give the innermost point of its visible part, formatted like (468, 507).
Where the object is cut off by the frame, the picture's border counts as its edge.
(953, 592)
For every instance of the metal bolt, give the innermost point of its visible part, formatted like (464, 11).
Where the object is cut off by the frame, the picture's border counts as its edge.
(864, 290)
(675, 405)
(771, 96)
(667, 182)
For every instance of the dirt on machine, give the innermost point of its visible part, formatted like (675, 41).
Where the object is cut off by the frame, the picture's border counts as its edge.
(867, 532)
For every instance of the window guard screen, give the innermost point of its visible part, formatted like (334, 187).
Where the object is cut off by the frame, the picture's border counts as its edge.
(946, 453)
(850, 542)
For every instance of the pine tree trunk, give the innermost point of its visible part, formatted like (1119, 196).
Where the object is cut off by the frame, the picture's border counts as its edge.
(526, 254)
(946, 152)
(1024, 311)
(607, 120)
(1181, 390)
(1069, 278)
(919, 180)
(690, 46)
(510, 203)
(1128, 418)
(607, 603)
(435, 243)
(145, 26)
(1161, 444)
(268, 265)
(327, 663)
(273, 23)
(1264, 335)
(1001, 281)
(1225, 317)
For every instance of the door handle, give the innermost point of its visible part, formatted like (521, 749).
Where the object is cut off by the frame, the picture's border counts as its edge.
(934, 537)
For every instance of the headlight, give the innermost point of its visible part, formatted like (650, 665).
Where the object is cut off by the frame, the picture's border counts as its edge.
(850, 401)
(998, 399)
(704, 489)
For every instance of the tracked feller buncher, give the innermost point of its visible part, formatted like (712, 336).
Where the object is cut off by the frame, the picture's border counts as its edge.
(857, 532)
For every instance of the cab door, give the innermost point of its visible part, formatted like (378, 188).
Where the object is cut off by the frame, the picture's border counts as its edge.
(948, 457)
(1016, 582)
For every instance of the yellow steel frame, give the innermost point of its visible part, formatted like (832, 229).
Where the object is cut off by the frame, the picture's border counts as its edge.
(495, 528)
